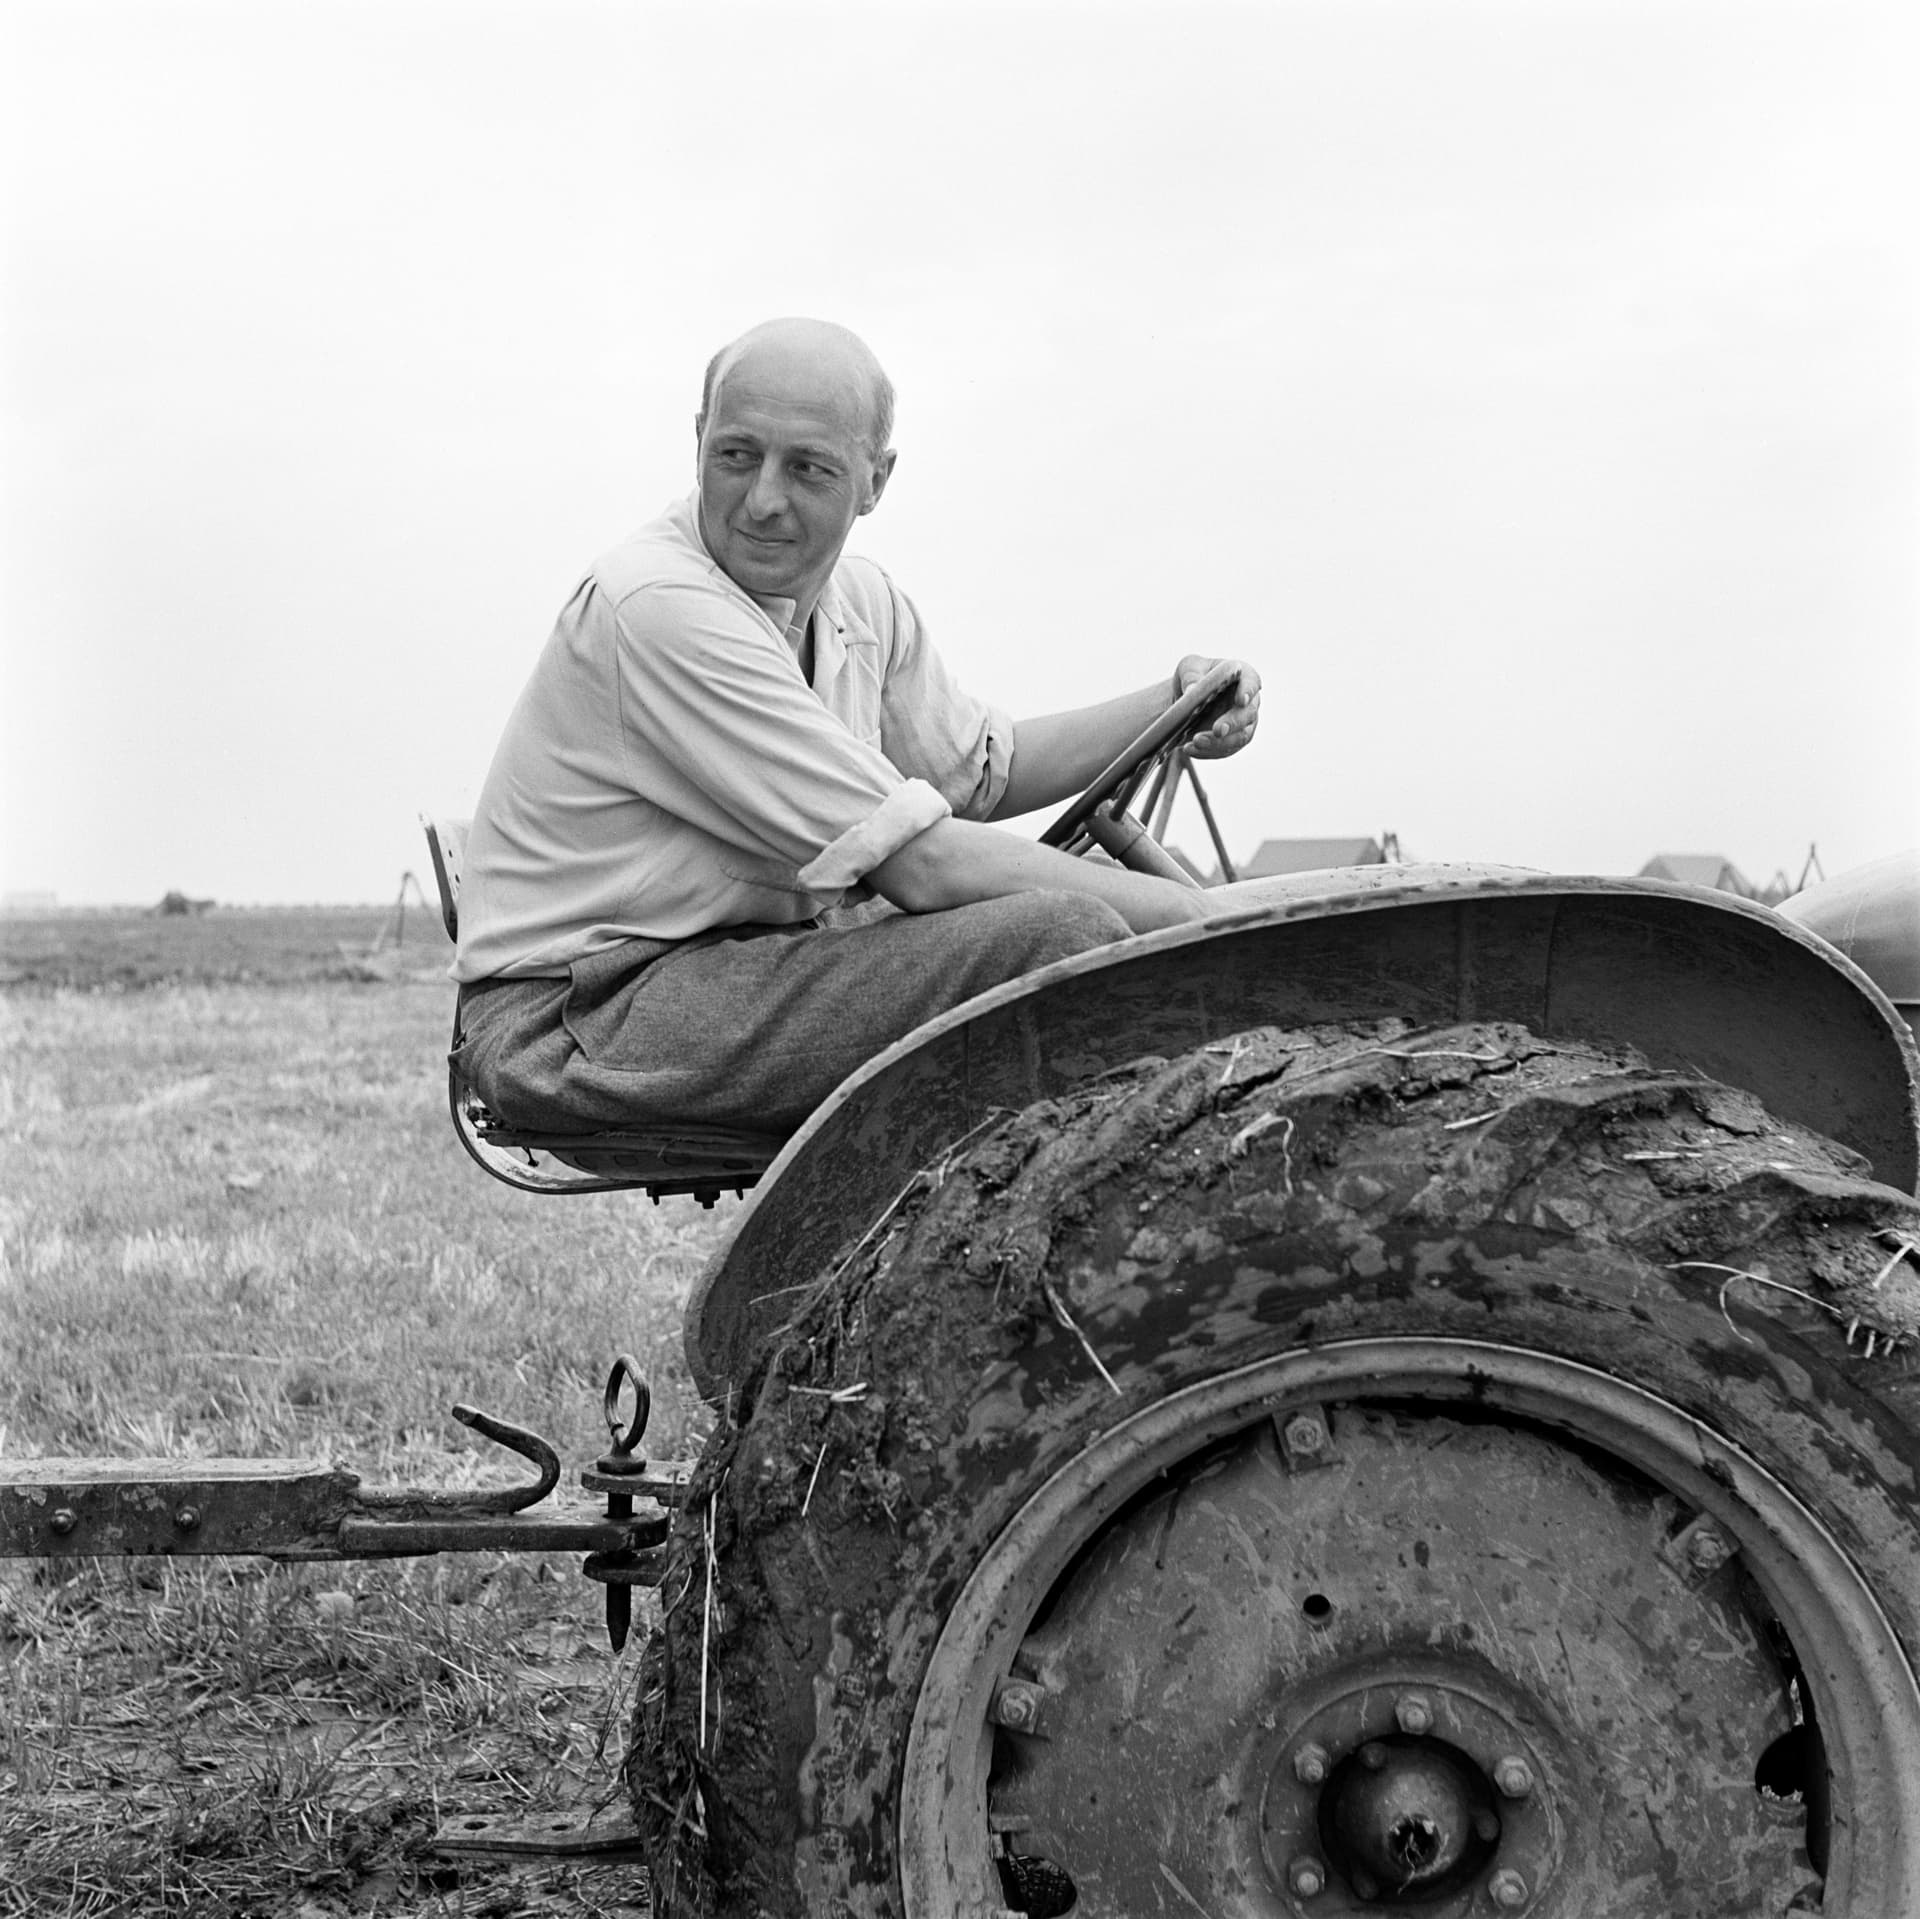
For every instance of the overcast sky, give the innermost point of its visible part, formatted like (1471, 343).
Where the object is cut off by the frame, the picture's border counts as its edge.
(1529, 389)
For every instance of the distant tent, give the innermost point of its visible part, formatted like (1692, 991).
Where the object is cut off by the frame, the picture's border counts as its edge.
(1310, 856)
(1698, 869)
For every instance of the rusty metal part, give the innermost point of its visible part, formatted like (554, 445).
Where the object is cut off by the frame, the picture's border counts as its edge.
(1541, 1626)
(306, 1509)
(1695, 980)
(607, 1837)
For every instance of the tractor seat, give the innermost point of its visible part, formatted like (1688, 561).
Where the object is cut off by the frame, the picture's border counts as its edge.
(696, 1159)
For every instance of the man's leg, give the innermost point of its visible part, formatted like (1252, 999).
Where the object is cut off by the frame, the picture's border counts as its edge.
(755, 1031)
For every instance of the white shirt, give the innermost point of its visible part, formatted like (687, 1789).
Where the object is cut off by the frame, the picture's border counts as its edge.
(668, 769)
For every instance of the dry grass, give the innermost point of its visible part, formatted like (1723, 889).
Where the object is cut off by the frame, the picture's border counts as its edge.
(233, 1219)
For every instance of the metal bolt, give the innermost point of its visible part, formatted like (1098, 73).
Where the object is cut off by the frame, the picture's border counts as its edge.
(1513, 1776)
(1311, 1764)
(1709, 1549)
(1373, 1755)
(1507, 1890)
(1364, 1884)
(1017, 1704)
(1307, 1877)
(1486, 1827)
(63, 1520)
(187, 1518)
(1305, 1434)
(1412, 1712)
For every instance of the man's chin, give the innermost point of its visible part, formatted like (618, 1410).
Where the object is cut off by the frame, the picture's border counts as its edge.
(767, 568)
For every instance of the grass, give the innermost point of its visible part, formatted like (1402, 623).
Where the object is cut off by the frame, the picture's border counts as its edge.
(234, 1220)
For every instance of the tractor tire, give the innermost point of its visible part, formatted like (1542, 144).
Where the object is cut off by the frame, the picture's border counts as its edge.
(1336, 1470)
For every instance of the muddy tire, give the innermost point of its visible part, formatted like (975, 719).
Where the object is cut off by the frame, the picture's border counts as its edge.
(1327, 1470)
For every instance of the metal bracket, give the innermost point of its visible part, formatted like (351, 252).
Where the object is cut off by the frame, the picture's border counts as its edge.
(564, 1836)
(316, 1509)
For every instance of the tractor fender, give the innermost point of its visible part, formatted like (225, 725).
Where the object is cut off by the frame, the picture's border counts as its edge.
(1693, 979)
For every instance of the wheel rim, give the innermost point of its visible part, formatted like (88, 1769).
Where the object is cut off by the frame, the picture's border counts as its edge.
(1293, 1833)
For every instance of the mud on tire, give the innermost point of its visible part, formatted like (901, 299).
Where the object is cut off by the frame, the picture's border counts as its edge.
(1516, 1234)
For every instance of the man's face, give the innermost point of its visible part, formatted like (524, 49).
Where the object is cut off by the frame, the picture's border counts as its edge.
(785, 469)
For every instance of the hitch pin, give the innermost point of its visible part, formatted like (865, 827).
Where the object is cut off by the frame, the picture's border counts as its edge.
(619, 1461)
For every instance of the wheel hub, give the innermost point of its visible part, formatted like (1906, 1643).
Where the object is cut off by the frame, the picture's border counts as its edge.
(1393, 1817)
(1407, 1818)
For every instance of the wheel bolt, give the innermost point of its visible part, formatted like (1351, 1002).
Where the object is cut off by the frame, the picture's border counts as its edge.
(1507, 1890)
(1708, 1550)
(1365, 1885)
(1486, 1827)
(1307, 1877)
(1373, 1755)
(1311, 1764)
(1513, 1776)
(1017, 1705)
(1412, 1712)
(1305, 1434)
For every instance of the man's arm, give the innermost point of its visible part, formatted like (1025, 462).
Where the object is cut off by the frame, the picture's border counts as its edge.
(1059, 754)
(955, 862)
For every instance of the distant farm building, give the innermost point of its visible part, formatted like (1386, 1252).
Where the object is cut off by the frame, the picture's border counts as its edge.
(1697, 869)
(1313, 856)
(1720, 873)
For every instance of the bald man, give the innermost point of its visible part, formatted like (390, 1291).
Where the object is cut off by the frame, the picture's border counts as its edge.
(736, 838)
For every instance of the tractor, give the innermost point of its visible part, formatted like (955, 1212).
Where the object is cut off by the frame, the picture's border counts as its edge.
(1400, 1398)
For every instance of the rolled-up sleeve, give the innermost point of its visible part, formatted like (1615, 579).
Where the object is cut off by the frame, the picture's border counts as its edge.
(903, 815)
(931, 725)
(720, 729)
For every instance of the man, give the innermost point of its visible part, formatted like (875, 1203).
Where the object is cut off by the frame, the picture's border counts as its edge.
(735, 838)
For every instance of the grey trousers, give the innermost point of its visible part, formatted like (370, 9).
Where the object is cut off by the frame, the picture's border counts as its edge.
(750, 1027)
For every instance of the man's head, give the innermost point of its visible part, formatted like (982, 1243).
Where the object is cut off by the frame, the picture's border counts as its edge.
(792, 433)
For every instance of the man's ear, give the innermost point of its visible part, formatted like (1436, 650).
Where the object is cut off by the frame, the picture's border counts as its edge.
(882, 473)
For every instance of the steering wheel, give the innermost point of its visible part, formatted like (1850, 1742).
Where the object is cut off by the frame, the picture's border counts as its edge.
(1099, 816)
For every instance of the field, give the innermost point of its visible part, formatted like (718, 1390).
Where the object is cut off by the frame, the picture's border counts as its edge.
(234, 1220)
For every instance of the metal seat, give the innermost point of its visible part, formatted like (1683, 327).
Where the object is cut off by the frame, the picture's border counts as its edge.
(701, 1160)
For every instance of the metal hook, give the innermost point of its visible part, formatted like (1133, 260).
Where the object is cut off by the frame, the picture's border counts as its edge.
(487, 1499)
(625, 1371)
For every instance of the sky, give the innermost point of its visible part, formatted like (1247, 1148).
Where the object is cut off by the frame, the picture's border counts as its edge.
(1527, 389)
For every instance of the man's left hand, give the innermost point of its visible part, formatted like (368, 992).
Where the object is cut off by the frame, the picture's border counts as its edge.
(1235, 727)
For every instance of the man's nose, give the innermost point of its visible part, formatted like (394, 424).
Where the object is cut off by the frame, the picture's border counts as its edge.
(767, 497)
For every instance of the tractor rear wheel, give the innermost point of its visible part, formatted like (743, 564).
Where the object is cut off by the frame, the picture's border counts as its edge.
(1335, 1472)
